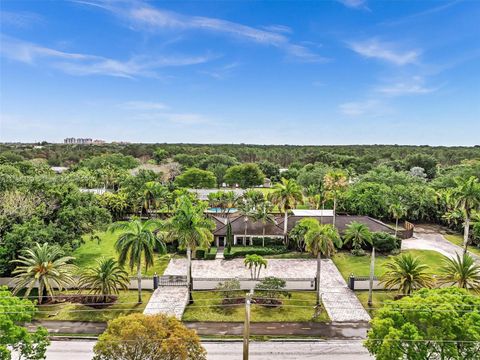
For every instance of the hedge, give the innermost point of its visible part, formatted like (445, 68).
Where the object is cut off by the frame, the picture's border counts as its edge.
(241, 251)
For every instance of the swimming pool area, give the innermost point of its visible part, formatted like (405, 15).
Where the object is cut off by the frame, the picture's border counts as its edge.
(218, 210)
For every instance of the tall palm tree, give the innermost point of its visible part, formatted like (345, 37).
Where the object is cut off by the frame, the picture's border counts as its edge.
(462, 272)
(46, 265)
(286, 195)
(467, 195)
(264, 214)
(358, 234)
(397, 210)
(153, 195)
(406, 272)
(321, 240)
(105, 278)
(247, 210)
(137, 241)
(192, 229)
(334, 182)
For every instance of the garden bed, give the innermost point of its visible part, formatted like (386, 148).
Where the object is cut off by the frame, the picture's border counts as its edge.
(241, 251)
(300, 307)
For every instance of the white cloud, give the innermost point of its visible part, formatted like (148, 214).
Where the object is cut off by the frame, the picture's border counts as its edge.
(370, 107)
(143, 16)
(85, 64)
(144, 105)
(21, 19)
(355, 4)
(411, 86)
(374, 48)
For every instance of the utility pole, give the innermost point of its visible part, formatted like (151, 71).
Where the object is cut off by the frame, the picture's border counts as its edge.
(372, 273)
(246, 326)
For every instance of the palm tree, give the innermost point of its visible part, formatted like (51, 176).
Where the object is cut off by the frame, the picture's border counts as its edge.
(190, 227)
(286, 195)
(263, 213)
(406, 272)
(136, 241)
(321, 240)
(398, 211)
(45, 265)
(334, 182)
(105, 278)
(467, 195)
(358, 234)
(462, 272)
(153, 193)
(255, 263)
(247, 211)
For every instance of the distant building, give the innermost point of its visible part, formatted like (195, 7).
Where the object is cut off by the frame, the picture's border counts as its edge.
(83, 141)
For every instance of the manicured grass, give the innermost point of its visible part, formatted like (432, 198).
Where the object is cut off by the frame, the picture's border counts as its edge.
(91, 250)
(126, 304)
(378, 298)
(291, 255)
(458, 240)
(284, 313)
(360, 265)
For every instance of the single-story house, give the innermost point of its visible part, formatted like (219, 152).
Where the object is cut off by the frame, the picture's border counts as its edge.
(245, 227)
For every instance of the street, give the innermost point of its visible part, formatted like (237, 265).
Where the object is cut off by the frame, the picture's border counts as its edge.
(279, 350)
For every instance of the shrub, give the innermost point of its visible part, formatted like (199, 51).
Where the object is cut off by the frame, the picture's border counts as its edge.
(269, 291)
(241, 251)
(230, 291)
(358, 252)
(257, 241)
(211, 254)
(385, 242)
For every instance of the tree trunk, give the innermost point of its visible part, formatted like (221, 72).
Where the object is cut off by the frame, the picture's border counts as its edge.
(334, 210)
(245, 233)
(263, 236)
(189, 275)
(319, 265)
(396, 226)
(139, 282)
(466, 230)
(372, 272)
(285, 227)
(40, 292)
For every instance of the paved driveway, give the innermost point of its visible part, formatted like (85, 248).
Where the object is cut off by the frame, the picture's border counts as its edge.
(340, 302)
(427, 238)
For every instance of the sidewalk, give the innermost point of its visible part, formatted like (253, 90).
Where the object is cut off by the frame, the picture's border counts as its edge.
(333, 330)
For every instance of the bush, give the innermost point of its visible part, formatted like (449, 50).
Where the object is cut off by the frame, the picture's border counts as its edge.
(211, 254)
(257, 241)
(230, 291)
(385, 242)
(241, 251)
(358, 252)
(269, 291)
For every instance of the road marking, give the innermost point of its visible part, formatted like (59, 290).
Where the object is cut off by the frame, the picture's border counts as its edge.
(306, 328)
(271, 327)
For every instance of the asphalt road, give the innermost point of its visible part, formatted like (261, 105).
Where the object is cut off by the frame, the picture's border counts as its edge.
(288, 350)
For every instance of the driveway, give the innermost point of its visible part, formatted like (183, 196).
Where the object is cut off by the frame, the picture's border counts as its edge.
(428, 238)
(340, 302)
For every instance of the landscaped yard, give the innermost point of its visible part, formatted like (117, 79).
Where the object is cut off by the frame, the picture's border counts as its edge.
(91, 250)
(378, 298)
(458, 240)
(126, 304)
(360, 265)
(289, 311)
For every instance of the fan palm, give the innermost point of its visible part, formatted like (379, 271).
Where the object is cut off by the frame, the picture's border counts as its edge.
(334, 182)
(321, 240)
(461, 271)
(407, 273)
(192, 229)
(286, 195)
(105, 278)
(397, 210)
(46, 265)
(467, 195)
(358, 234)
(137, 241)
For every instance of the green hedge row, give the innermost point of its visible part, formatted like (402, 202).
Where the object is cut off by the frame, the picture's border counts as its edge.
(241, 251)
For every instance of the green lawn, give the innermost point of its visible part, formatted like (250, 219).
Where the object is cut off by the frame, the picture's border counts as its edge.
(378, 298)
(458, 240)
(91, 250)
(360, 265)
(284, 313)
(126, 304)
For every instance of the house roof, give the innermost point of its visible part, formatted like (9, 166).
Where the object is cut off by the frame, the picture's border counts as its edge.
(255, 228)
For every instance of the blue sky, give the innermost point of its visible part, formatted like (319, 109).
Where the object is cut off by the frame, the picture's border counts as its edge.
(299, 72)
